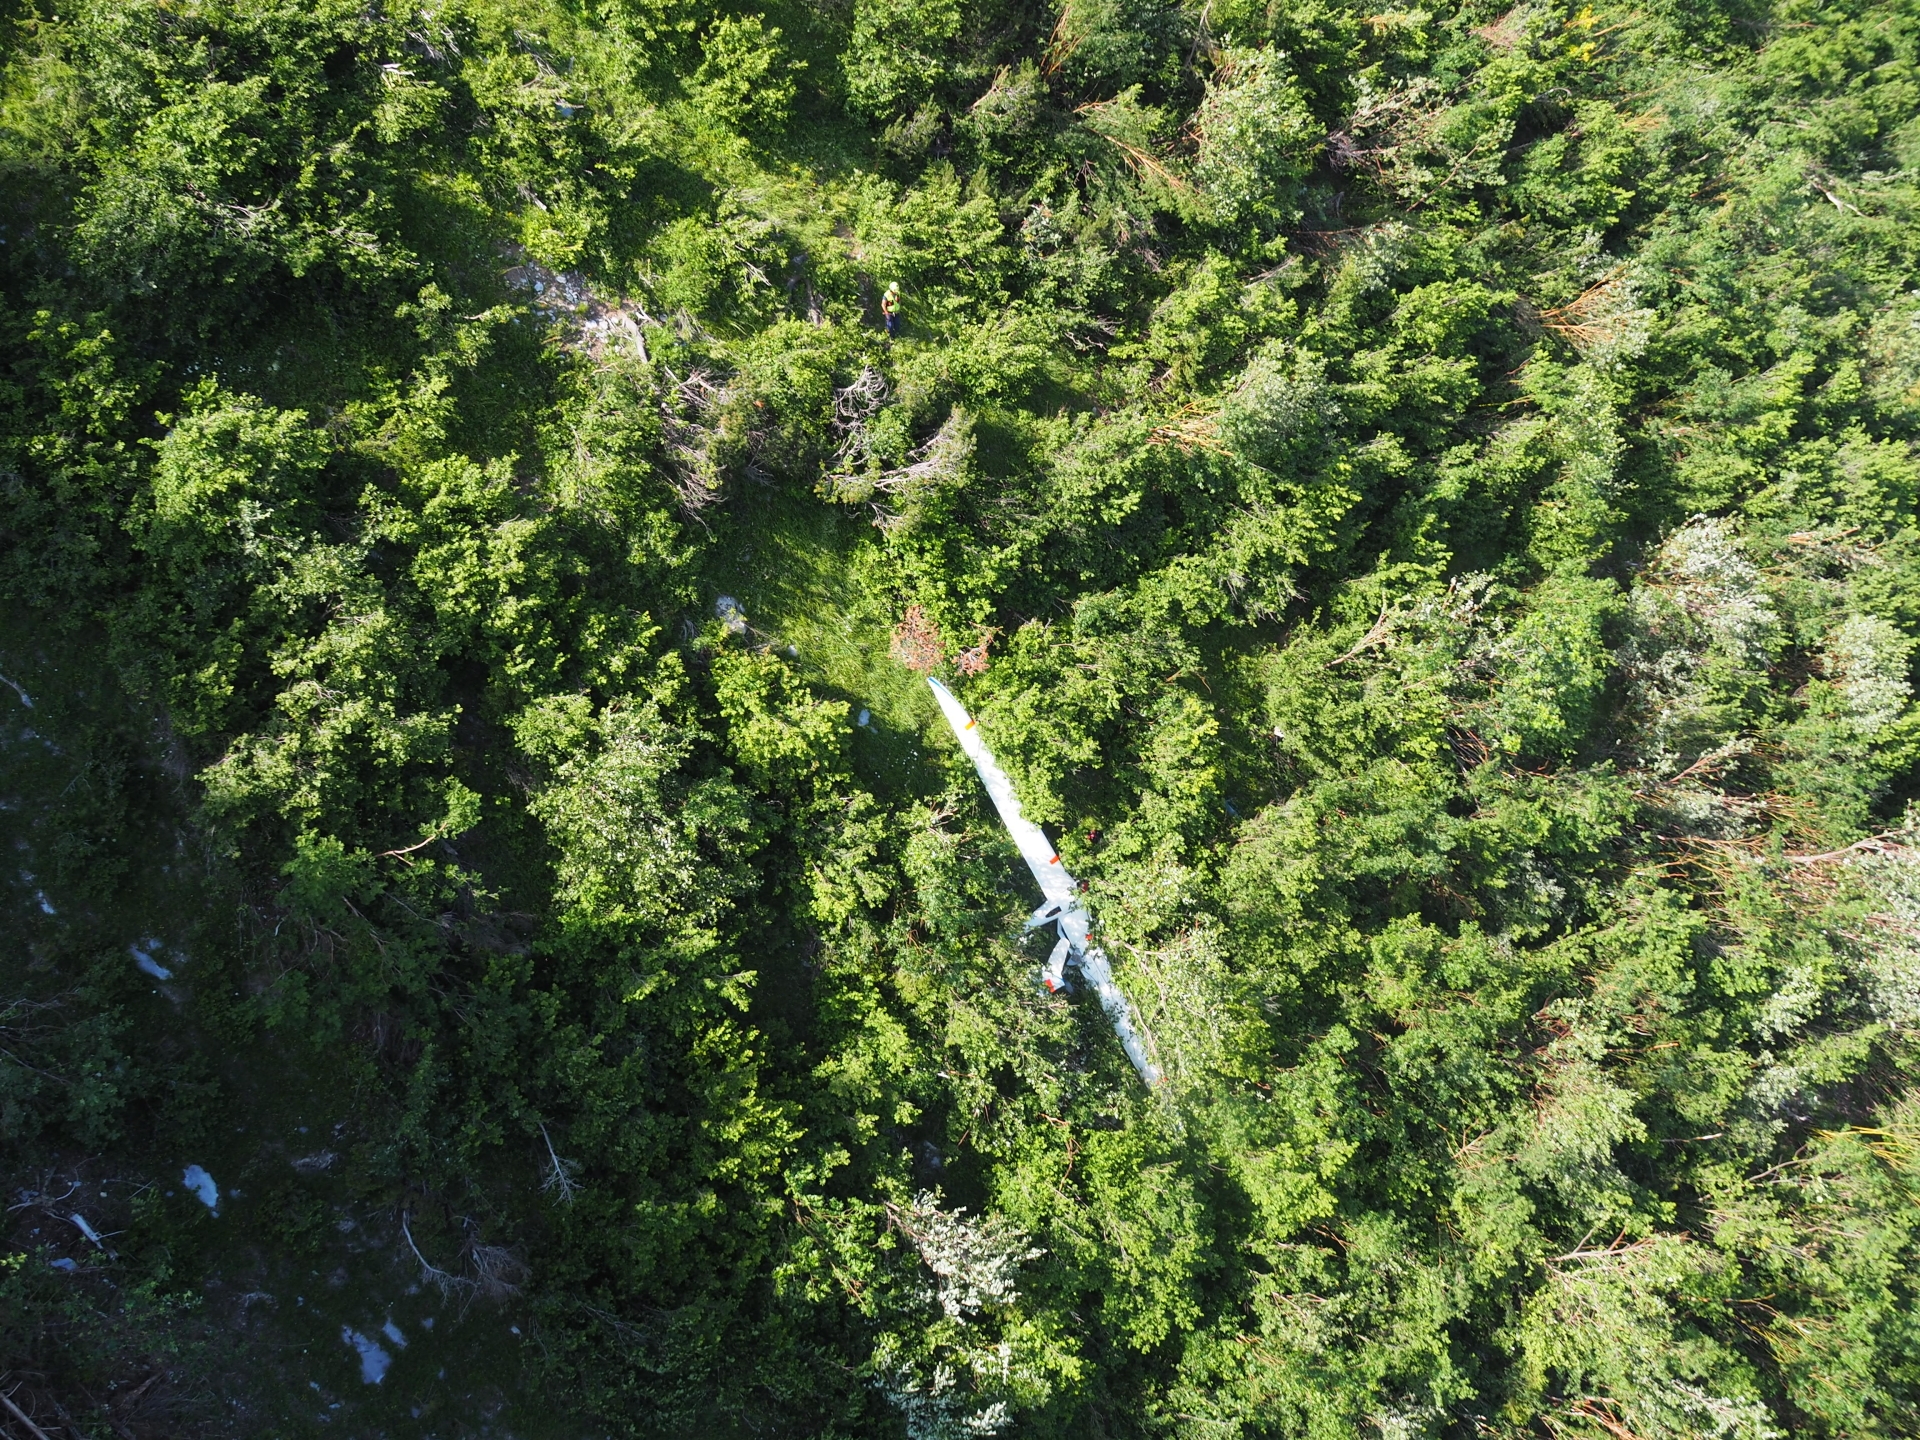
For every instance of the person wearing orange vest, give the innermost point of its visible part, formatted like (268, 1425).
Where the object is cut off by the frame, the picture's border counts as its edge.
(890, 306)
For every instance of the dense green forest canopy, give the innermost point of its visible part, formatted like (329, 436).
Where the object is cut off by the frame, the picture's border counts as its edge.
(1421, 502)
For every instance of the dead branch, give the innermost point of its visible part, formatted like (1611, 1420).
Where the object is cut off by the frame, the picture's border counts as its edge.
(443, 1280)
(6, 1399)
(1882, 843)
(1382, 628)
(560, 1173)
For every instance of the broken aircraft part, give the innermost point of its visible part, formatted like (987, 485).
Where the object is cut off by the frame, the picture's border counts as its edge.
(1062, 907)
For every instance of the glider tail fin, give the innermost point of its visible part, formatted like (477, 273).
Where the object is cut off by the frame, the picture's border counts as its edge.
(1054, 977)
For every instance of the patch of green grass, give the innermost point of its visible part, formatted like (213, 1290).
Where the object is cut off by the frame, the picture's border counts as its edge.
(815, 580)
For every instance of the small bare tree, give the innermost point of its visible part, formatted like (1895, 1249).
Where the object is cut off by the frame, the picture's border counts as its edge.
(491, 1272)
(940, 462)
(685, 413)
(853, 406)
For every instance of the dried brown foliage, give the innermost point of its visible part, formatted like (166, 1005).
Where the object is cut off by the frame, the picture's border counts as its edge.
(917, 643)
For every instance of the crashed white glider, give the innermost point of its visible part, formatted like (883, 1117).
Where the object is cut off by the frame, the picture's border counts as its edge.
(1062, 906)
